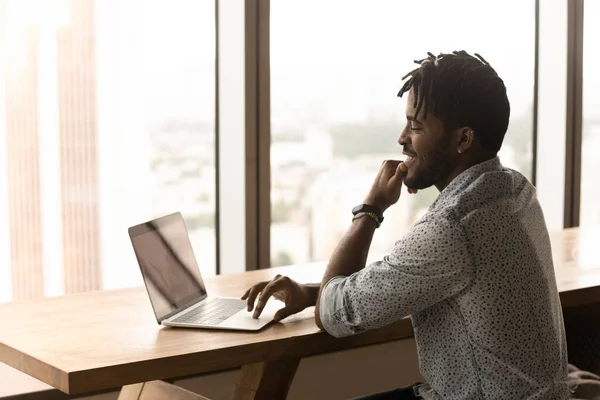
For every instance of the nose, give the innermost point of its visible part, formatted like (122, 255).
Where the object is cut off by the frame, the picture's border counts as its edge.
(403, 138)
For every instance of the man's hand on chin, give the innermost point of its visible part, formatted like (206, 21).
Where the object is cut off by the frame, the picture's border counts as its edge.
(350, 256)
(386, 188)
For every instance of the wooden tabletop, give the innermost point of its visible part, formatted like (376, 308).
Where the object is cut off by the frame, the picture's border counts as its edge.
(103, 340)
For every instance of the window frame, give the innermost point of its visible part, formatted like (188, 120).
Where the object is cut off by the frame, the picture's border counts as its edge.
(243, 150)
(574, 134)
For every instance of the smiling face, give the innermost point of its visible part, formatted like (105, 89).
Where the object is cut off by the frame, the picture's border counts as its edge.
(431, 152)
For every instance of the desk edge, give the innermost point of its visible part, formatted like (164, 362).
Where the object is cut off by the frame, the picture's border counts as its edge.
(107, 378)
(34, 367)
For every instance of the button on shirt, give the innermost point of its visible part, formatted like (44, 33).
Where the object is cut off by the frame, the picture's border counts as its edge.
(476, 276)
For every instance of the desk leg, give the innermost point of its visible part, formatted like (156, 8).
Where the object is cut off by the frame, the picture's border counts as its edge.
(267, 380)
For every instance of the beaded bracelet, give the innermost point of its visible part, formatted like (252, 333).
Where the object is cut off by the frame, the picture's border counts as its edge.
(372, 215)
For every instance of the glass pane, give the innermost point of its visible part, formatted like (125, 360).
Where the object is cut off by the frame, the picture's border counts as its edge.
(336, 67)
(590, 162)
(106, 121)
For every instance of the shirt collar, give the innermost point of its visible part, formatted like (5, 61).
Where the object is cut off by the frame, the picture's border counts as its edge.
(466, 178)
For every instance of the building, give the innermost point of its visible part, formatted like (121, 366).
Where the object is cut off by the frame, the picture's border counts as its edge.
(22, 144)
(50, 140)
(78, 149)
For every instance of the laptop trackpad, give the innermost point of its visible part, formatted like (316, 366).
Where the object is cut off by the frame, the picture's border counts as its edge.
(243, 319)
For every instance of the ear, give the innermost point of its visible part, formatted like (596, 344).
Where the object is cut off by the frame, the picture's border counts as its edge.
(465, 138)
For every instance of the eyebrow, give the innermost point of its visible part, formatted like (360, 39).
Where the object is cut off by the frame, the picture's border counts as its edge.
(412, 118)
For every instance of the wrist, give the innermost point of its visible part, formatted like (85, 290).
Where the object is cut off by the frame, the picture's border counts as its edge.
(368, 209)
(376, 220)
(311, 293)
(378, 205)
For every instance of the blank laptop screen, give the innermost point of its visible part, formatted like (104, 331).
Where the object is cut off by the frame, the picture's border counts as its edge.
(168, 264)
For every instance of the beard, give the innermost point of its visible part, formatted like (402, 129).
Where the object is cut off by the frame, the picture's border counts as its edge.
(429, 169)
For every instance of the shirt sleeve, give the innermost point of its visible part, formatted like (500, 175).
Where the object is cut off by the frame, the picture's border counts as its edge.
(430, 264)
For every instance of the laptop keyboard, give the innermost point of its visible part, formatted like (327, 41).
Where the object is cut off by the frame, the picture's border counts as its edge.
(212, 311)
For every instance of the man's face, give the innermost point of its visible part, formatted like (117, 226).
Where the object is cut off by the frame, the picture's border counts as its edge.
(427, 147)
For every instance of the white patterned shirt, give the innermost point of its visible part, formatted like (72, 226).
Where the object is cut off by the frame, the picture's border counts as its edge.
(476, 276)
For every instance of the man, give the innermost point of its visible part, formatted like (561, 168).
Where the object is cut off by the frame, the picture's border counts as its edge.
(475, 273)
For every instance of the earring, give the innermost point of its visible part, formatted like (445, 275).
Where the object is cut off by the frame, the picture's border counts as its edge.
(459, 151)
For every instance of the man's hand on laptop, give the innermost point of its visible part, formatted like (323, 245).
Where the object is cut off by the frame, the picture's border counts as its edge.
(296, 296)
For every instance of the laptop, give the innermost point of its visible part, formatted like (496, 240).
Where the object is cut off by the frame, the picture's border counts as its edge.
(175, 286)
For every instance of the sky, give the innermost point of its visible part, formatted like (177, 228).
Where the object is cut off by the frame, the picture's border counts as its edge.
(349, 56)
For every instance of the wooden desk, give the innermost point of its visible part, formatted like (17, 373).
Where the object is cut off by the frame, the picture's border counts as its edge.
(103, 340)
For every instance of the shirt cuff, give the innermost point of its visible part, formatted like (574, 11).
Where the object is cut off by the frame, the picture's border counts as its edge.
(331, 308)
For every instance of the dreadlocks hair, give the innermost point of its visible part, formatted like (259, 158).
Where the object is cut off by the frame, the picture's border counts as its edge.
(461, 90)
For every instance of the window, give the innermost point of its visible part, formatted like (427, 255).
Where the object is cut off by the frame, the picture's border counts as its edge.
(336, 67)
(590, 163)
(551, 175)
(106, 121)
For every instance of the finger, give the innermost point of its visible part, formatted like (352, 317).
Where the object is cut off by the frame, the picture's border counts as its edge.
(392, 165)
(587, 389)
(399, 174)
(282, 313)
(387, 163)
(253, 292)
(245, 295)
(401, 170)
(265, 294)
(402, 167)
(586, 375)
(572, 368)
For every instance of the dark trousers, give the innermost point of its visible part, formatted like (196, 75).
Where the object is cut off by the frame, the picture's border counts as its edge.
(396, 394)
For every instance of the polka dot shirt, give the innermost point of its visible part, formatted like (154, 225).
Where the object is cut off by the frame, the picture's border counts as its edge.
(476, 276)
